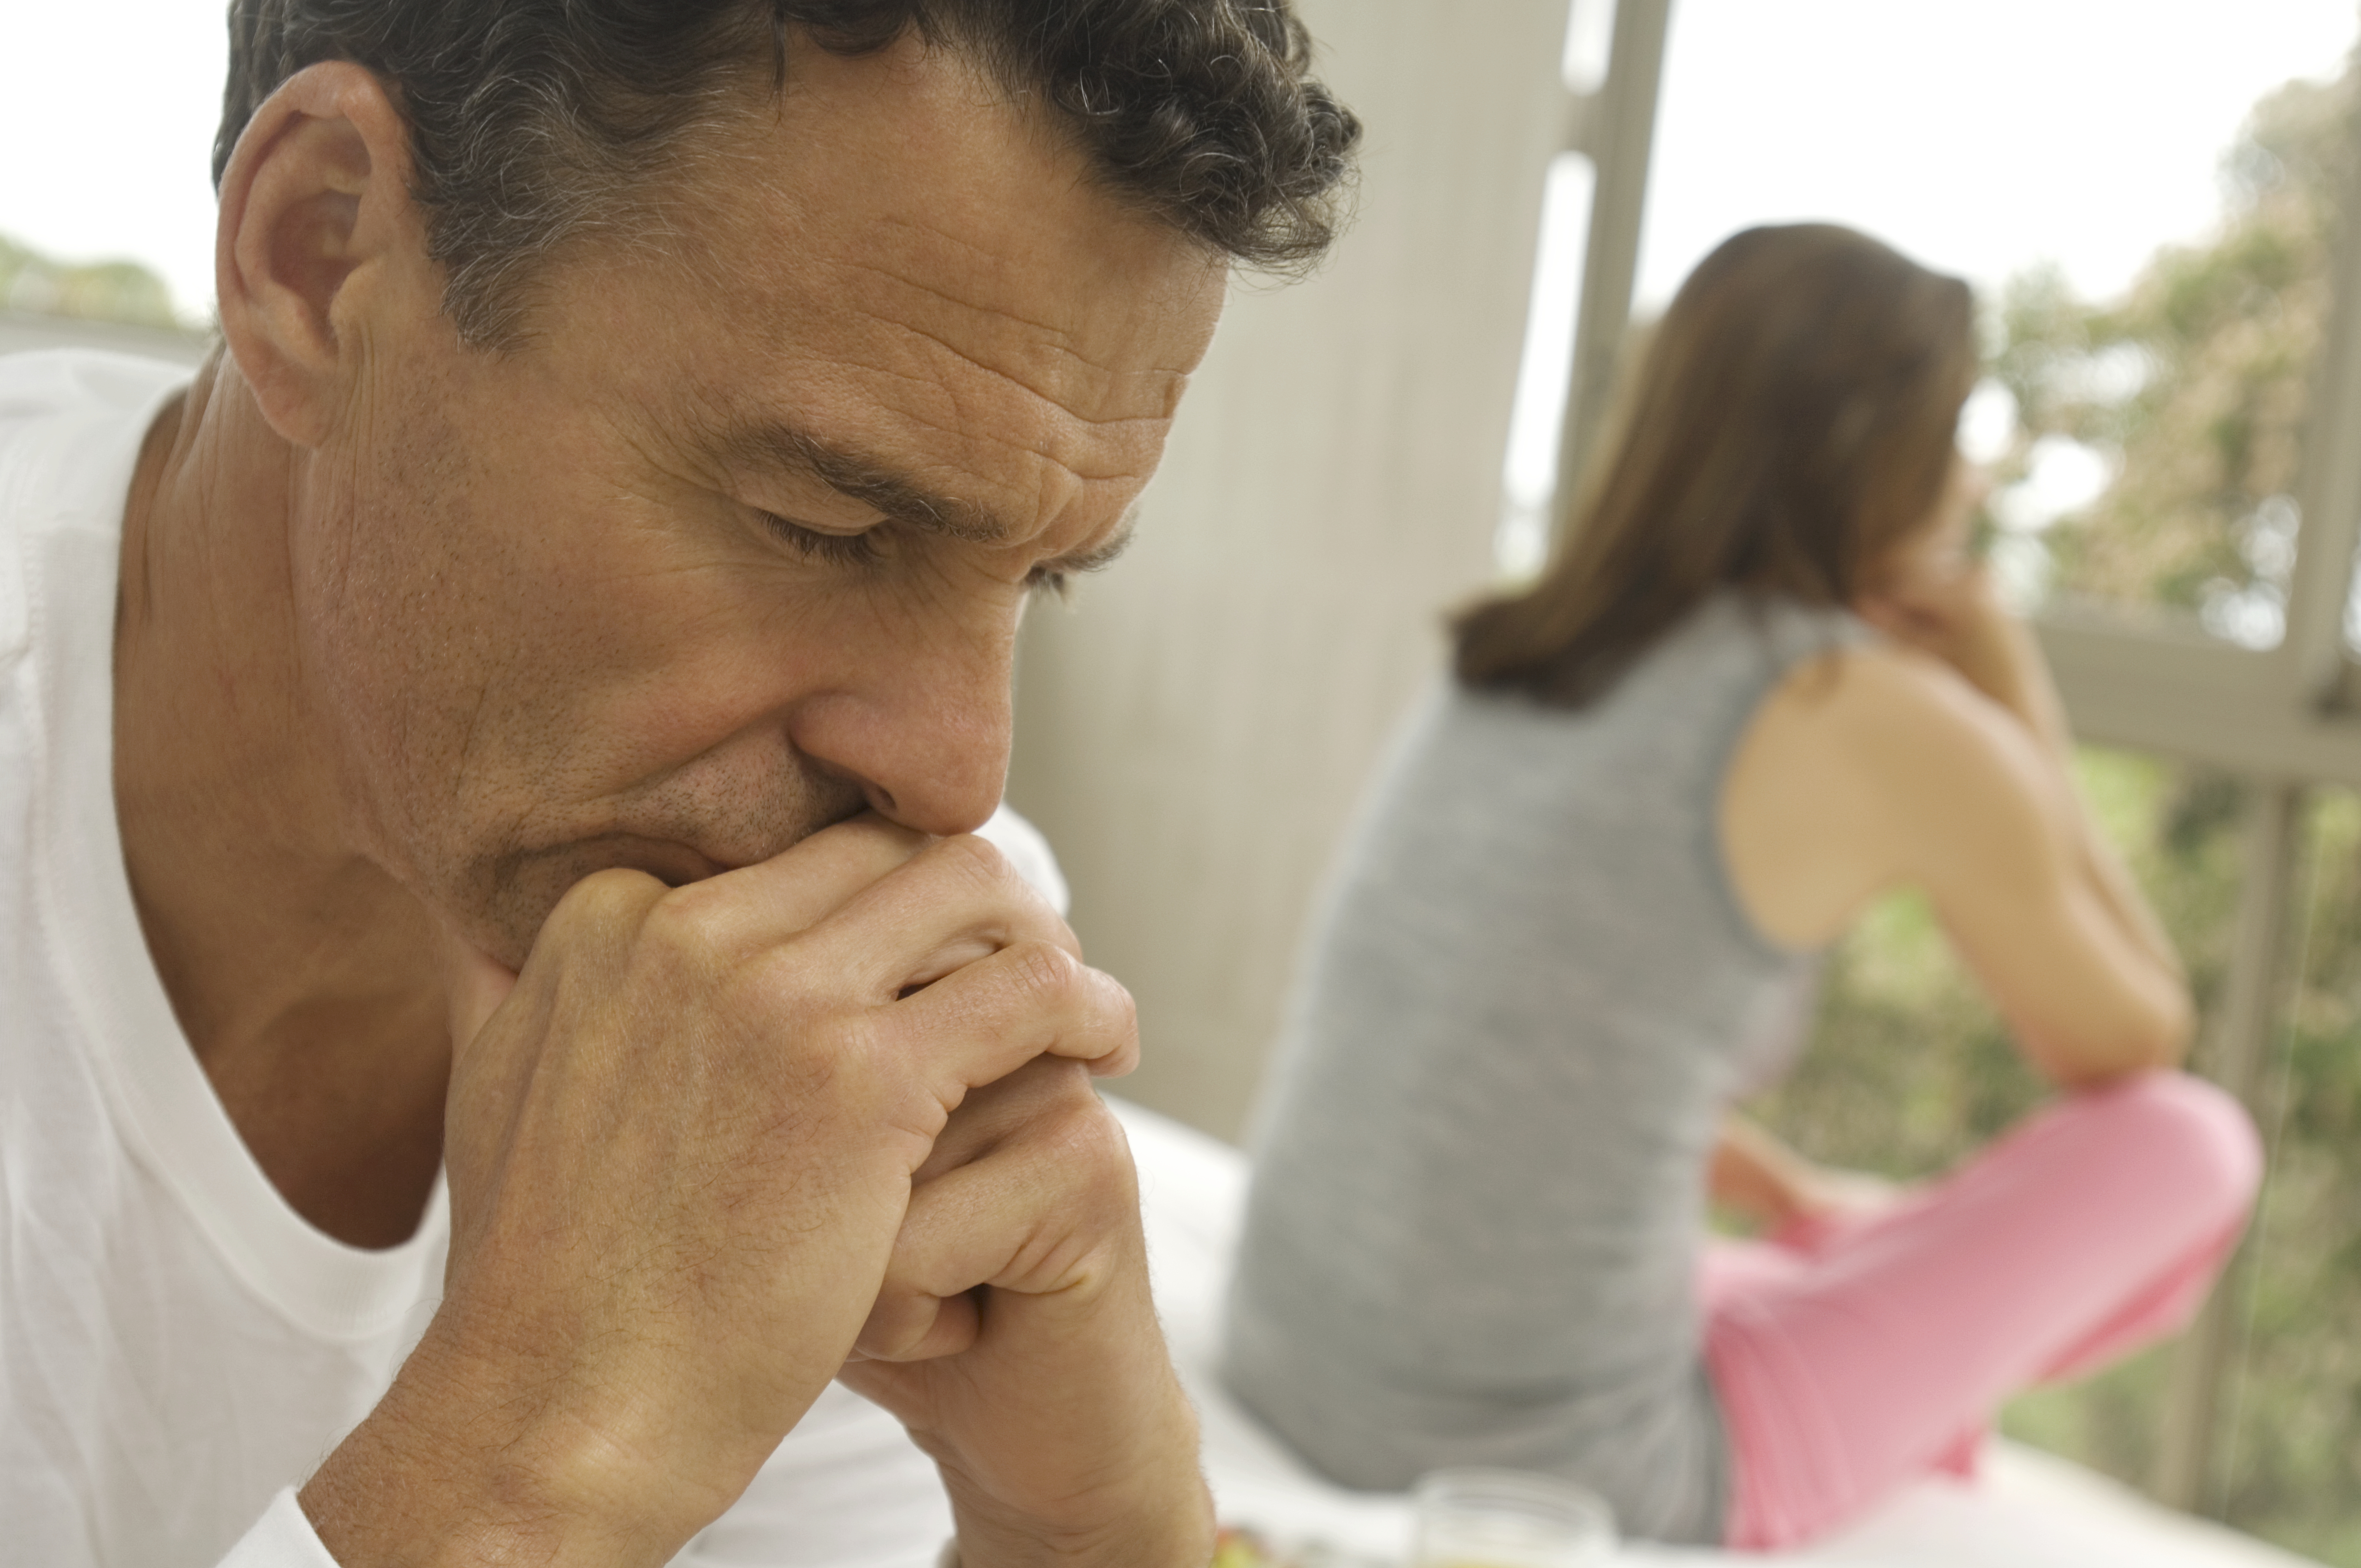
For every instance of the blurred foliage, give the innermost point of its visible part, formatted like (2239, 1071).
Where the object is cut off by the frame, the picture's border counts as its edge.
(105, 291)
(2296, 1443)
(2195, 383)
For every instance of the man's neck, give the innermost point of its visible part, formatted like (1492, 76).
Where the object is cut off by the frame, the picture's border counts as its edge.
(302, 974)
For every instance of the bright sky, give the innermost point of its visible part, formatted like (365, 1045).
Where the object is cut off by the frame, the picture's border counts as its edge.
(1978, 137)
(106, 119)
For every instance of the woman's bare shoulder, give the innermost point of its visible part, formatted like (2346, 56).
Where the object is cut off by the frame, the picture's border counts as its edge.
(1808, 826)
(1946, 772)
(1895, 708)
(1869, 767)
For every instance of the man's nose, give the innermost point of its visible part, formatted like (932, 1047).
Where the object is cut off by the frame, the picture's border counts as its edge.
(924, 731)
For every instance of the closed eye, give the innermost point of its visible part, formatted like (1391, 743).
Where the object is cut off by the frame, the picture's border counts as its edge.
(827, 549)
(1058, 576)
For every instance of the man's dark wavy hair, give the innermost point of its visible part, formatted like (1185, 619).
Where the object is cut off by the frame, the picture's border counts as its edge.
(533, 121)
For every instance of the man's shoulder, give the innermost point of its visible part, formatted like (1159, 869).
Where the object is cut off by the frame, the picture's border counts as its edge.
(45, 384)
(71, 423)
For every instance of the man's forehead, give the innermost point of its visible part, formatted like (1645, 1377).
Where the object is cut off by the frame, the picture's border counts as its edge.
(911, 188)
(911, 274)
(1103, 343)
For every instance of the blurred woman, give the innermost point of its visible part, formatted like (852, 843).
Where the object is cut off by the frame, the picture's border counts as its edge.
(1763, 683)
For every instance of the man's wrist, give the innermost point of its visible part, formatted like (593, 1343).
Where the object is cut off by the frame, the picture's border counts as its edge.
(1172, 1530)
(446, 1469)
(1155, 1513)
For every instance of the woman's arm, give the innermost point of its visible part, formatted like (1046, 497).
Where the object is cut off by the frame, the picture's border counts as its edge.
(1941, 761)
(1961, 623)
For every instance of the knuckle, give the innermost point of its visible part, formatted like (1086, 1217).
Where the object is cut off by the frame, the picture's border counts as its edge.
(1091, 1145)
(973, 860)
(684, 919)
(1122, 1007)
(849, 1062)
(1078, 1123)
(681, 938)
(1045, 972)
(606, 899)
(819, 1026)
(840, 1050)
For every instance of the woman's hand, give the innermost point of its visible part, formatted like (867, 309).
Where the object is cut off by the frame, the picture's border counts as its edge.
(1779, 1189)
(1951, 613)
(1832, 1193)
(1930, 593)
(1956, 616)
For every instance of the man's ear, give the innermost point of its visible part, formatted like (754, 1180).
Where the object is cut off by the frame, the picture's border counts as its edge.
(317, 232)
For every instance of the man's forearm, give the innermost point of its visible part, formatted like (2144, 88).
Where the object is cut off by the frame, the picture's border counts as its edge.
(431, 1478)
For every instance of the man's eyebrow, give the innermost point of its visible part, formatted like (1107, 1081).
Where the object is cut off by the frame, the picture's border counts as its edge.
(861, 477)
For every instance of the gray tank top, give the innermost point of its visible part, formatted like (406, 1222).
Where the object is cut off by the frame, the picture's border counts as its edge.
(1478, 1181)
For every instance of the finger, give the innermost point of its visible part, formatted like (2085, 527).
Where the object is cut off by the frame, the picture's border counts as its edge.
(917, 1325)
(888, 908)
(1898, 620)
(474, 988)
(1026, 1001)
(954, 902)
(1036, 1216)
(1878, 609)
(1001, 1109)
(745, 912)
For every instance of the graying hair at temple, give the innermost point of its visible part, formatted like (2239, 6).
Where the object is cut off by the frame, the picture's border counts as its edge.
(533, 121)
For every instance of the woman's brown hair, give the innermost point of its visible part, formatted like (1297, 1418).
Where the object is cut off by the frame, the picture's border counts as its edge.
(1793, 418)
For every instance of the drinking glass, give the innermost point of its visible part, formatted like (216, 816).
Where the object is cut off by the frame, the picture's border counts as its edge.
(1470, 1517)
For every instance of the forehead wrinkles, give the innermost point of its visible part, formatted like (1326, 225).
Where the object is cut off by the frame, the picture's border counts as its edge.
(1056, 351)
(964, 428)
(1065, 318)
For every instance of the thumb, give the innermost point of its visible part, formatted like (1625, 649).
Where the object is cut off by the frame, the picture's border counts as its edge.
(474, 987)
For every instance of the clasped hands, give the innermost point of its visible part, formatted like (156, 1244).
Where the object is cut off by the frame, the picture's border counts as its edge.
(716, 1145)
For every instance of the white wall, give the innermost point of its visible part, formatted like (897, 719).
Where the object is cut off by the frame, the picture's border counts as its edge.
(1194, 733)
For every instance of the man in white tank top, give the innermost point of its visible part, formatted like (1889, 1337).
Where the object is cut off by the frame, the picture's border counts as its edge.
(502, 1007)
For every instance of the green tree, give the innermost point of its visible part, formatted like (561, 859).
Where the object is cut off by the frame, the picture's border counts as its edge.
(2196, 380)
(105, 291)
